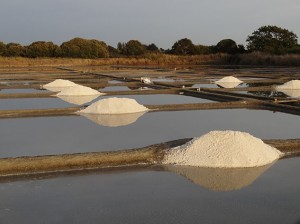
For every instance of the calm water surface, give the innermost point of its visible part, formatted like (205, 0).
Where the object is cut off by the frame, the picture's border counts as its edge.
(152, 197)
(72, 134)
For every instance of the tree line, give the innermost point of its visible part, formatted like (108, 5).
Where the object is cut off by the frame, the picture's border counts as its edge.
(267, 39)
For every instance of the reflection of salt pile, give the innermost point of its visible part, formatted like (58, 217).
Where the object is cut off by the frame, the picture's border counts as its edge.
(59, 85)
(113, 120)
(223, 149)
(228, 82)
(220, 179)
(79, 90)
(78, 100)
(115, 106)
(291, 88)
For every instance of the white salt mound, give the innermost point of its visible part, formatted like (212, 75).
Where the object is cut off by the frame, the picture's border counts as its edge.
(78, 100)
(228, 149)
(115, 105)
(113, 120)
(228, 85)
(60, 83)
(228, 79)
(293, 84)
(79, 90)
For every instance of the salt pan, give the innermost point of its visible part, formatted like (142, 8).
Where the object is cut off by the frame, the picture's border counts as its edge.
(228, 149)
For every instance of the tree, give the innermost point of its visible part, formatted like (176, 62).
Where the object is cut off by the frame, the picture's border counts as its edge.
(83, 48)
(133, 48)
(271, 39)
(183, 47)
(41, 49)
(152, 47)
(228, 46)
(14, 50)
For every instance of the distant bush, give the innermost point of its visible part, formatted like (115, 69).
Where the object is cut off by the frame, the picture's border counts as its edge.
(14, 50)
(228, 46)
(132, 48)
(183, 47)
(2, 48)
(41, 49)
(83, 48)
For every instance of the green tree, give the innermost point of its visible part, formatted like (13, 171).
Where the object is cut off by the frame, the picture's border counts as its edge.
(271, 39)
(133, 48)
(41, 49)
(183, 47)
(2, 48)
(228, 46)
(83, 48)
(14, 50)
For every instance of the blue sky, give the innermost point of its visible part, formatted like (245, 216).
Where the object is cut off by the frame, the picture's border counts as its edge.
(151, 21)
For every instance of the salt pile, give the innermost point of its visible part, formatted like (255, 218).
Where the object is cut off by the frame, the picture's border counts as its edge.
(228, 82)
(293, 84)
(79, 90)
(115, 105)
(78, 100)
(291, 88)
(113, 120)
(58, 85)
(228, 149)
(219, 179)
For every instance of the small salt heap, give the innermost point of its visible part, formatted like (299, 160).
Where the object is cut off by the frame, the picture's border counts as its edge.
(79, 90)
(291, 88)
(115, 105)
(113, 120)
(227, 149)
(228, 82)
(59, 85)
(78, 100)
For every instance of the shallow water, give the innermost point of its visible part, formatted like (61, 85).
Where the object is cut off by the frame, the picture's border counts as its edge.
(32, 103)
(115, 88)
(159, 99)
(59, 135)
(151, 197)
(6, 91)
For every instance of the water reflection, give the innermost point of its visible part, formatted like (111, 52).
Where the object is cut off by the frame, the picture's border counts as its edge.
(219, 179)
(78, 100)
(113, 120)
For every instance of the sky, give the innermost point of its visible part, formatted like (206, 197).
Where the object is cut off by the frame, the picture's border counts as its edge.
(162, 22)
